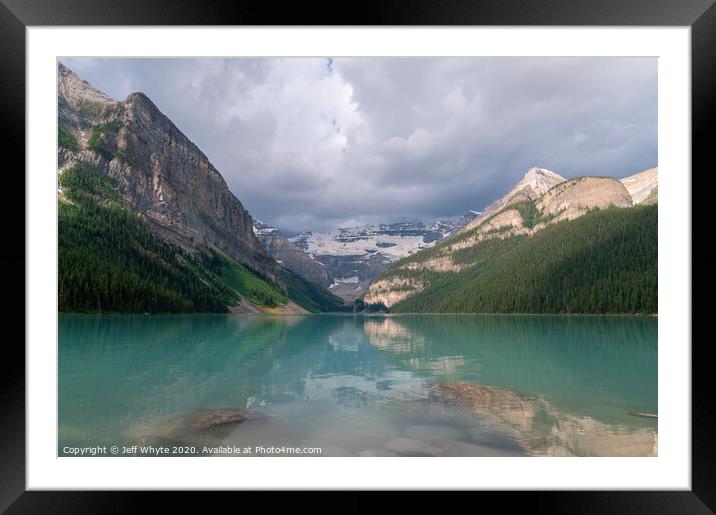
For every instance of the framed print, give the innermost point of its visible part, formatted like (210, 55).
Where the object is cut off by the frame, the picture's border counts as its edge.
(418, 249)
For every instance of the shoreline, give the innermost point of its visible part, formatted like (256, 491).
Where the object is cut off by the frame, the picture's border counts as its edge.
(366, 314)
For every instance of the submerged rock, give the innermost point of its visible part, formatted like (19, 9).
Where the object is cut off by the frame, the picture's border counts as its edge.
(209, 426)
(375, 453)
(412, 447)
(350, 396)
(494, 435)
(587, 437)
(434, 432)
(211, 419)
(461, 448)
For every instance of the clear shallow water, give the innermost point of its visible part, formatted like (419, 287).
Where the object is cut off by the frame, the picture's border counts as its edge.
(413, 385)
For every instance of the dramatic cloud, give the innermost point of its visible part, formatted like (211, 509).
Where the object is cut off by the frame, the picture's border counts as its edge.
(320, 143)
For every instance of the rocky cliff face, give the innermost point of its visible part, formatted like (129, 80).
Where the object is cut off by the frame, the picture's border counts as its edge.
(160, 173)
(291, 256)
(540, 199)
(79, 104)
(641, 185)
(571, 199)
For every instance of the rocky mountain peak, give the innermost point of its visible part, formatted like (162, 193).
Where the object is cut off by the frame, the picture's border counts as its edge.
(539, 179)
(536, 181)
(140, 99)
(79, 104)
(542, 198)
(78, 92)
(537, 171)
(159, 172)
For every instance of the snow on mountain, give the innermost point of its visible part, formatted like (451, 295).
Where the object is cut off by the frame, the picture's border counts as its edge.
(262, 229)
(393, 241)
(354, 256)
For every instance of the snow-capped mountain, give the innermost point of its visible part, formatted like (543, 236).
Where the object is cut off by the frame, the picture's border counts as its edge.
(354, 256)
(391, 240)
(261, 228)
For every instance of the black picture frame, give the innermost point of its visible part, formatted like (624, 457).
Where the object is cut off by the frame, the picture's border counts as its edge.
(16, 15)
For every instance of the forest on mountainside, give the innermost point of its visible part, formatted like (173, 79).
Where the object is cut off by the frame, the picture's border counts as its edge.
(111, 262)
(602, 262)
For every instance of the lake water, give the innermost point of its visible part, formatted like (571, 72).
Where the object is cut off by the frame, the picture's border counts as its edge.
(412, 385)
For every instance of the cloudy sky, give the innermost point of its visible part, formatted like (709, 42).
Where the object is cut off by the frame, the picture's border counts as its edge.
(314, 144)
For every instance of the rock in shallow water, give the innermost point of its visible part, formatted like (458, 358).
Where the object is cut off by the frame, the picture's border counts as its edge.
(198, 427)
(374, 453)
(209, 419)
(460, 448)
(434, 432)
(412, 447)
(489, 434)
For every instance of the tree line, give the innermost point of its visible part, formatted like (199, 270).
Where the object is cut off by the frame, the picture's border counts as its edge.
(602, 262)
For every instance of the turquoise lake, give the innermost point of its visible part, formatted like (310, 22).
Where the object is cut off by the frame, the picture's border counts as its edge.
(398, 385)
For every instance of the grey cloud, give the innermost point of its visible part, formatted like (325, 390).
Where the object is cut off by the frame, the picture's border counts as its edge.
(305, 145)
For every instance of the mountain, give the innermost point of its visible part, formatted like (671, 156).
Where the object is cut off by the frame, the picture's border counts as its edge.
(292, 256)
(157, 221)
(462, 222)
(536, 182)
(642, 186)
(580, 245)
(354, 256)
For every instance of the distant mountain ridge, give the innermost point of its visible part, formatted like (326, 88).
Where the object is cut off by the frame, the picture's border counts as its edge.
(540, 200)
(348, 259)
